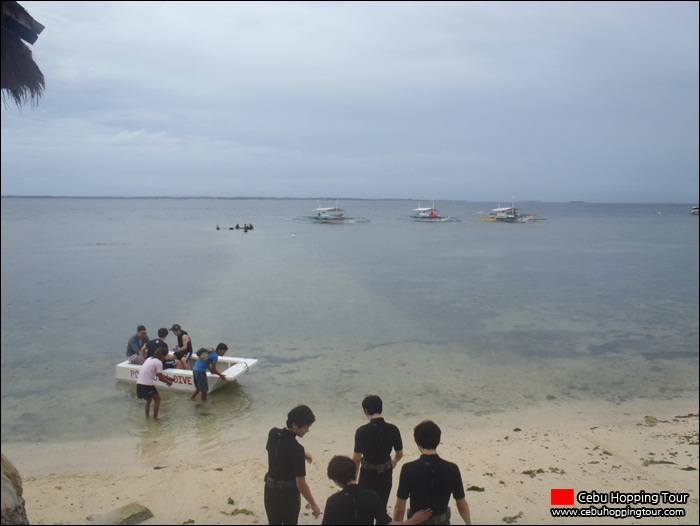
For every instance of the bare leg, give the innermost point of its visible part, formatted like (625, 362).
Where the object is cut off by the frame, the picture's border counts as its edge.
(148, 406)
(156, 405)
(194, 395)
(204, 396)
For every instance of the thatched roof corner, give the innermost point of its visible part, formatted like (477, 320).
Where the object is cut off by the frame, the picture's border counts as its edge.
(22, 80)
(16, 19)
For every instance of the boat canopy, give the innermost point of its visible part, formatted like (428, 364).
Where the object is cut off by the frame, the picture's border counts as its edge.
(506, 209)
(332, 209)
(423, 209)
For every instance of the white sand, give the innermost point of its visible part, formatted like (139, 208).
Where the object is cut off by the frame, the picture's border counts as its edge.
(586, 446)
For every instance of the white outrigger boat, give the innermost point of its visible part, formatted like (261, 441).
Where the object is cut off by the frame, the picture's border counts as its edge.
(333, 215)
(428, 214)
(231, 367)
(508, 214)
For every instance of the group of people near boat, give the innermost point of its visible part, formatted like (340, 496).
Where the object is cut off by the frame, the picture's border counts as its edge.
(365, 479)
(427, 483)
(154, 357)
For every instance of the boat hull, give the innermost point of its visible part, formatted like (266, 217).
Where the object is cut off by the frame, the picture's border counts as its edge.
(231, 367)
(429, 219)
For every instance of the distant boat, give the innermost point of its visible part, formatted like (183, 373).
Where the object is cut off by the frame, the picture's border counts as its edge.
(695, 211)
(333, 215)
(508, 214)
(330, 215)
(428, 214)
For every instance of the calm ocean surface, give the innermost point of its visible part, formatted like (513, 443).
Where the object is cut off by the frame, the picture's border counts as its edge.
(597, 302)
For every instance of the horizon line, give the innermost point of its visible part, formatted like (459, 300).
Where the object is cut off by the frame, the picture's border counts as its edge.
(46, 196)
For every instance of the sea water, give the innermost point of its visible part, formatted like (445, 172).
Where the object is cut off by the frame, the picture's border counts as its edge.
(596, 302)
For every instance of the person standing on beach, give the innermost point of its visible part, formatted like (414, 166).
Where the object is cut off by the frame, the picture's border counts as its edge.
(430, 480)
(373, 445)
(354, 504)
(206, 361)
(151, 369)
(134, 348)
(183, 350)
(285, 479)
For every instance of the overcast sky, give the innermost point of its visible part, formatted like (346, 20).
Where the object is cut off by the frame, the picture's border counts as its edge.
(476, 101)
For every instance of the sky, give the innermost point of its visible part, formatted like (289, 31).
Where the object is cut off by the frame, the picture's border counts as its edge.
(473, 101)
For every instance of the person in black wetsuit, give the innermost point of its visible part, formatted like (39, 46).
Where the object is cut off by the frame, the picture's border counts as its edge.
(430, 480)
(285, 480)
(373, 445)
(184, 347)
(354, 504)
(169, 362)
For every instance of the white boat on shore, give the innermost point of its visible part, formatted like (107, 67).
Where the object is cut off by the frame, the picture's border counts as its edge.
(231, 367)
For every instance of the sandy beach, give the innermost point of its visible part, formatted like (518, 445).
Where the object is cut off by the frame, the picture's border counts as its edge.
(509, 463)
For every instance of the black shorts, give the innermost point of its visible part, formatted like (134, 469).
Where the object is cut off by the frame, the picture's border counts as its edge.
(169, 364)
(146, 391)
(180, 354)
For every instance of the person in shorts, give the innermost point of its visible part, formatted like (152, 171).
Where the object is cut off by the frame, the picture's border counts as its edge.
(183, 349)
(206, 361)
(151, 370)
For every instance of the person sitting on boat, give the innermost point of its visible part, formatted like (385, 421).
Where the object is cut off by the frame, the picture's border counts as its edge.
(170, 362)
(206, 361)
(183, 350)
(135, 348)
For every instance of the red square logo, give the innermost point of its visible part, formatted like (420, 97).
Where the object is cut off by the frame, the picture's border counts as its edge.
(562, 497)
